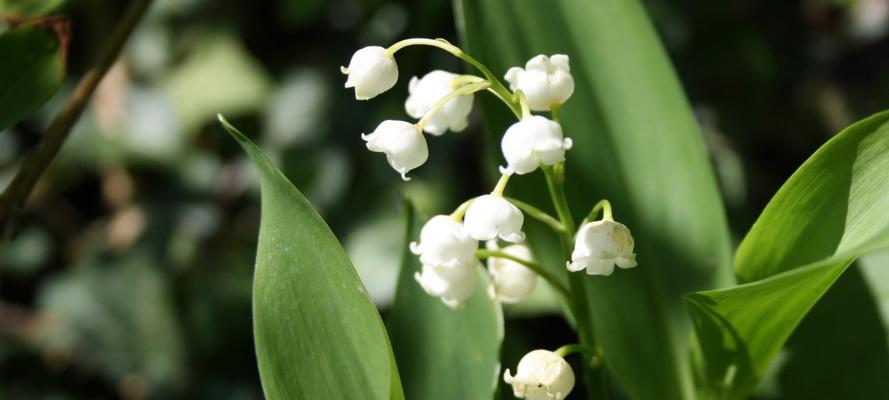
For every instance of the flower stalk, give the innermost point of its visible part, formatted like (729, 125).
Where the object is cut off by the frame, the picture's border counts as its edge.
(497, 87)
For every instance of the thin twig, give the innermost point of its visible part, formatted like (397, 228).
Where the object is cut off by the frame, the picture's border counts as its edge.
(13, 198)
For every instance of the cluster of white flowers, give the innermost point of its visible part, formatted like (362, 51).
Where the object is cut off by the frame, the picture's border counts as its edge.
(441, 101)
(447, 251)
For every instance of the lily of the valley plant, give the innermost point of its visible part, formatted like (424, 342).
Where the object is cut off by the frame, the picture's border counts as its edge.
(448, 246)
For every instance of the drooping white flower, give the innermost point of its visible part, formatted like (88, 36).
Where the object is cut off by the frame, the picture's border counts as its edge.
(511, 282)
(453, 285)
(428, 90)
(532, 142)
(541, 375)
(372, 70)
(443, 242)
(404, 146)
(491, 216)
(545, 81)
(600, 245)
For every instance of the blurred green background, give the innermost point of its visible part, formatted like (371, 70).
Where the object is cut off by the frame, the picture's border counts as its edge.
(131, 276)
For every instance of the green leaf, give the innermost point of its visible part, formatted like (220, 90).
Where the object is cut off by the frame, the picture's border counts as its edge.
(635, 143)
(443, 353)
(21, 9)
(317, 334)
(832, 210)
(857, 365)
(31, 72)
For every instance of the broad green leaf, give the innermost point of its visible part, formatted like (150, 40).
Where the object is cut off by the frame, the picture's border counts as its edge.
(30, 73)
(859, 363)
(443, 353)
(635, 143)
(833, 209)
(317, 334)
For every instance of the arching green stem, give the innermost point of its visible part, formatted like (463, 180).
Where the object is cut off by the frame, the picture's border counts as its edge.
(457, 215)
(603, 205)
(465, 90)
(497, 87)
(537, 268)
(539, 215)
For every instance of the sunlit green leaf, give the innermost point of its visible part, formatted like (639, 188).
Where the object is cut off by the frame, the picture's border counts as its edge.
(317, 334)
(635, 143)
(30, 73)
(443, 353)
(832, 210)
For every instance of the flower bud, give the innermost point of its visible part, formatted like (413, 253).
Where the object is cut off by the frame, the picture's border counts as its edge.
(428, 90)
(545, 81)
(541, 375)
(511, 282)
(453, 285)
(532, 142)
(600, 245)
(404, 145)
(444, 243)
(491, 216)
(371, 71)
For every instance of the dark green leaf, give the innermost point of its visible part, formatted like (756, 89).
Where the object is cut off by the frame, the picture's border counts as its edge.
(635, 143)
(31, 72)
(832, 210)
(856, 365)
(318, 335)
(443, 353)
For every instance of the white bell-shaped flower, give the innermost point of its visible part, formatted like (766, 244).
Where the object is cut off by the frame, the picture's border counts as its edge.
(490, 216)
(371, 71)
(600, 245)
(541, 375)
(453, 285)
(545, 81)
(511, 282)
(532, 142)
(404, 145)
(428, 90)
(443, 242)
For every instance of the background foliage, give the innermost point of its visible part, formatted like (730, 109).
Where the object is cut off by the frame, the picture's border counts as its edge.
(132, 275)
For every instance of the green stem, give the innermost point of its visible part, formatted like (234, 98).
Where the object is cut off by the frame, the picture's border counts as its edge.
(595, 377)
(595, 356)
(539, 215)
(523, 103)
(501, 185)
(554, 182)
(465, 90)
(537, 268)
(497, 87)
(603, 205)
(16, 193)
(465, 79)
(555, 112)
(457, 215)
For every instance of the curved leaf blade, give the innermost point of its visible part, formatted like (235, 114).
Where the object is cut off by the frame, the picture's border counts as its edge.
(317, 333)
(635, 143)
(443, 353)
(31, 72)
(833, 209)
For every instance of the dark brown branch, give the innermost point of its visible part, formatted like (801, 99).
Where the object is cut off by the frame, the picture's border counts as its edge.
(13, 198)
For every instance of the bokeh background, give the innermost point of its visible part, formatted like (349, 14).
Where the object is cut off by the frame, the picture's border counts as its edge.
(131, 276)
